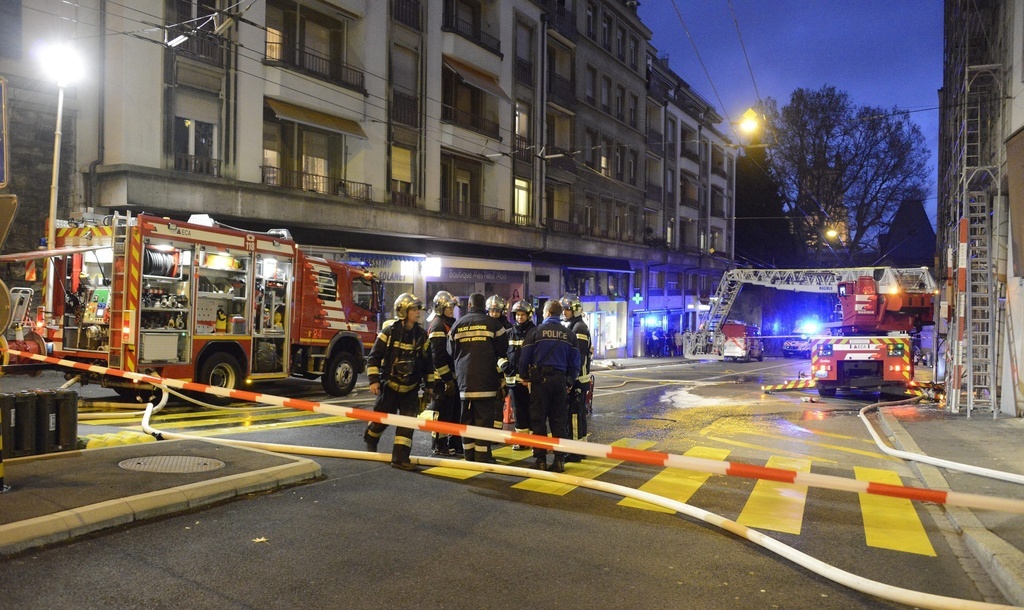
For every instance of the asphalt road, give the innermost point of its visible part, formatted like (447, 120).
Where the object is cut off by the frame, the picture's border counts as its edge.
(368, 536)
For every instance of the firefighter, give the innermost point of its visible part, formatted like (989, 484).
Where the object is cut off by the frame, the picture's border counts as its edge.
(476, 342)
(523, 313)
(446, 398)
(572, 313)
(497, 308)
(550, 360)
(398, 364)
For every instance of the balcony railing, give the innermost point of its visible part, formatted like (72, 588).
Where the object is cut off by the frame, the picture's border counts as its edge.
(719, 171)
(522, 220)
(403, 200)
(655, 142)
(565, 162)
(564, 226)
(563, 20)
(524, 71)
(470, 32)
(199, 46)
(523, 149)
(689, 202)
(562, 91)
(326, 185)
(315, 64)
(405, 109)
(654, 191)
(407, 12)
(692, 155)
(469, 209)
(197, 165)
(469, 120)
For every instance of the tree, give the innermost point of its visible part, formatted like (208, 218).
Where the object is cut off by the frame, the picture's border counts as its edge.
(764, 235)
(843, 169)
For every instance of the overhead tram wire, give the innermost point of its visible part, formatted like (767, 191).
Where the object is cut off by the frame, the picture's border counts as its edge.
(745, 55)
(703, 66)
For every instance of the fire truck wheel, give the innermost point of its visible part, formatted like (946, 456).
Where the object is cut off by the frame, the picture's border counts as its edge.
(826, 392)
(220, 370)
(340, 376)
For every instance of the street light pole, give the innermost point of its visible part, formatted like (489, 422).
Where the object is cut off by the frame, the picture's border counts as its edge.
(51, 229)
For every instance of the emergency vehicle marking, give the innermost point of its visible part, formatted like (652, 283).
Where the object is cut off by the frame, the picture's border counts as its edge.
(134, 268)
(86, 236)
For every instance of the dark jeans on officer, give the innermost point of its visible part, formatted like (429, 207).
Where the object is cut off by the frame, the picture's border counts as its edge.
(521, 406)
(548, 406)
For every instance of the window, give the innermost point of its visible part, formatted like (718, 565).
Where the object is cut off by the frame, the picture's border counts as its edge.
(634, 46)
(620, 103)
(619, 174)
(606, 32)
(465, 105)
(634, 161)
(10, 29)
(633, 103)
(591, 146)
(524, 42)
(591, 21)
(620, 44)
(195, 131)
(591, 83)
(460, 186)
(670, 182)
(296, 155)
(310, 42)
(606, 94)
(523, 120)
(606, 151)
(523, 213)
(402, 170)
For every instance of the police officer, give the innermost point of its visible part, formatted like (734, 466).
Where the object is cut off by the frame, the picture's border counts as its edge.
(398, 364)
(446, 398)
(572, 312)
(552, 362)
(476, 342)
(523, 313)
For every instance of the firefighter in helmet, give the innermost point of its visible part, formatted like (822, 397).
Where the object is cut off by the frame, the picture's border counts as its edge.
(522, 311)
(476, 342)
(399, 364)
(446, 396)
(572, 317)
(497, 308)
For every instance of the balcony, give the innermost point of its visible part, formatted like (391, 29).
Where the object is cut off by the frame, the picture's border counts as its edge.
(657, 90)
(692, 155)
(564, 226)
(407, 12)
(197, 165)
(522, 220)
(524, 71)
(656, 142)
(470, 32)
(689, 202)
(565, 162)
(655, 192)
(719, 171)
(523, 149)
(315, 64)
(468, 209)
(562, 21)
(200, 46)
(561, 91)
(469, 120)
(316, 183)
(403, 200)
(405, 109)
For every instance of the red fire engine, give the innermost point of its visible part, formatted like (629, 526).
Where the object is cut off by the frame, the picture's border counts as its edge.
(216, 305)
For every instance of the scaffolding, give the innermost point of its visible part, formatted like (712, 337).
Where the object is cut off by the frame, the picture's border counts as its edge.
(971, 165)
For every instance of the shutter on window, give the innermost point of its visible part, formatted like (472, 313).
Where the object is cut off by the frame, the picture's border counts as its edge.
(192, 104)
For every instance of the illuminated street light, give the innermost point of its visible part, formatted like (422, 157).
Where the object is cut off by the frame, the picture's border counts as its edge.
(832, 233)
(750, 123)
(64, 66)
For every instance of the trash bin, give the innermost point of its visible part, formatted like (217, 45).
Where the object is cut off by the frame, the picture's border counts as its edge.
(67, 420)
(46, 422)
(23, 424)
(6, 430)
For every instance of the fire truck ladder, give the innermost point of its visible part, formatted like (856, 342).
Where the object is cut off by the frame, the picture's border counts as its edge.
(119, 308)
(820, 281)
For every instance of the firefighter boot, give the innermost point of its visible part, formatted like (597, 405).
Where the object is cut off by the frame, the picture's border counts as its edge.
(557, 465)
(439, 446)
(400, 457)
(371, 440)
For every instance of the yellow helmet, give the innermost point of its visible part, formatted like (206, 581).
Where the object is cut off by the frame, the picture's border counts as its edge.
(404, 303)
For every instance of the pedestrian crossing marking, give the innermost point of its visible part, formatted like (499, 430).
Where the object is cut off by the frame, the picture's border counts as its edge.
(774, 505)
(274, 425)
(590, 468)
(505, 455)
(236, 421)
(891, 523)
(765, 448)
(676, 484)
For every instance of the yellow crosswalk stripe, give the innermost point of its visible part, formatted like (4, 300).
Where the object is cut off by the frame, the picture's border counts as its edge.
(676, 484)
(275, 425)
(891, 523)
(505, 455)
(777, 506)
(590, 468)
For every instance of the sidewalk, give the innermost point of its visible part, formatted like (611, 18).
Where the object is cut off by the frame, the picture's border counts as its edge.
(995, 539)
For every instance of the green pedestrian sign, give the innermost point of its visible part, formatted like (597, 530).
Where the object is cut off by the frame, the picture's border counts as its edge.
(3, 132)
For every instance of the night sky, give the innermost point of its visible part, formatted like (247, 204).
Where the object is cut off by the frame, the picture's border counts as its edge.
(884, 53)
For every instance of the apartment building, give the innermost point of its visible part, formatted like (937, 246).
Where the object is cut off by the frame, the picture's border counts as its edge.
(465, 145)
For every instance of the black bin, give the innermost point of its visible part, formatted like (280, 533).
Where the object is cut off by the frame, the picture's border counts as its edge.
(7, 414)
(46, 421)
(67, 420)
(23, 424)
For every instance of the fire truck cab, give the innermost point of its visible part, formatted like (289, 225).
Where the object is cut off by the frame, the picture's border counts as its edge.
(220, 306)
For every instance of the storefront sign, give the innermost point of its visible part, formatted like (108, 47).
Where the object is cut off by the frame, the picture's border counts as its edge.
(481, 275)
(389, 268)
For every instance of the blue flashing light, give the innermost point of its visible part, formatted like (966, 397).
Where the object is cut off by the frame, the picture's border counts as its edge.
(808, 326)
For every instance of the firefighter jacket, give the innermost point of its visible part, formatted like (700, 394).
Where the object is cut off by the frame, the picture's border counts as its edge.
(582, 332)
(476, 342)
(549, 346)
(400, 358)
(516, 337)
(438, 333)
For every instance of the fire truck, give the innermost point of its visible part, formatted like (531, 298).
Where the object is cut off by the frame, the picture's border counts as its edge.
(741, 342)
(200, 301)
(879, 311)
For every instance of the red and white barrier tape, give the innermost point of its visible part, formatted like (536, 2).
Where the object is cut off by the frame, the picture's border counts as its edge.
(641, 456)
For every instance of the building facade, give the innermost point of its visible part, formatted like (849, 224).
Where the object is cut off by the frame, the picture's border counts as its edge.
(981, 207)
(513, 148)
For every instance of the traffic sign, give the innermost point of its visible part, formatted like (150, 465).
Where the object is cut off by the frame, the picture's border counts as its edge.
(3, 132)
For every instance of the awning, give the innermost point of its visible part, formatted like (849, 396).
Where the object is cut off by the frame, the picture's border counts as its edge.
(582, 262)
(315, 118)
(477, 78)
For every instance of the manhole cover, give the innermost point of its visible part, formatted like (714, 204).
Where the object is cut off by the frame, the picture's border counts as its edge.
(171, 463)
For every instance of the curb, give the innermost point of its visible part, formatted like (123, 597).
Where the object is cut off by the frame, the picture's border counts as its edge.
(1003, 563)
(68, 524)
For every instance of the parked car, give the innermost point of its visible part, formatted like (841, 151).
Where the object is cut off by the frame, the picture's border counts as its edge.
(797, 348)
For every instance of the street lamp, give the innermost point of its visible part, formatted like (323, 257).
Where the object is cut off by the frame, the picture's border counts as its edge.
(64, 66)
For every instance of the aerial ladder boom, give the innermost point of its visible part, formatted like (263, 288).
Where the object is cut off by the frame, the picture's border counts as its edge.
(889, 280)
